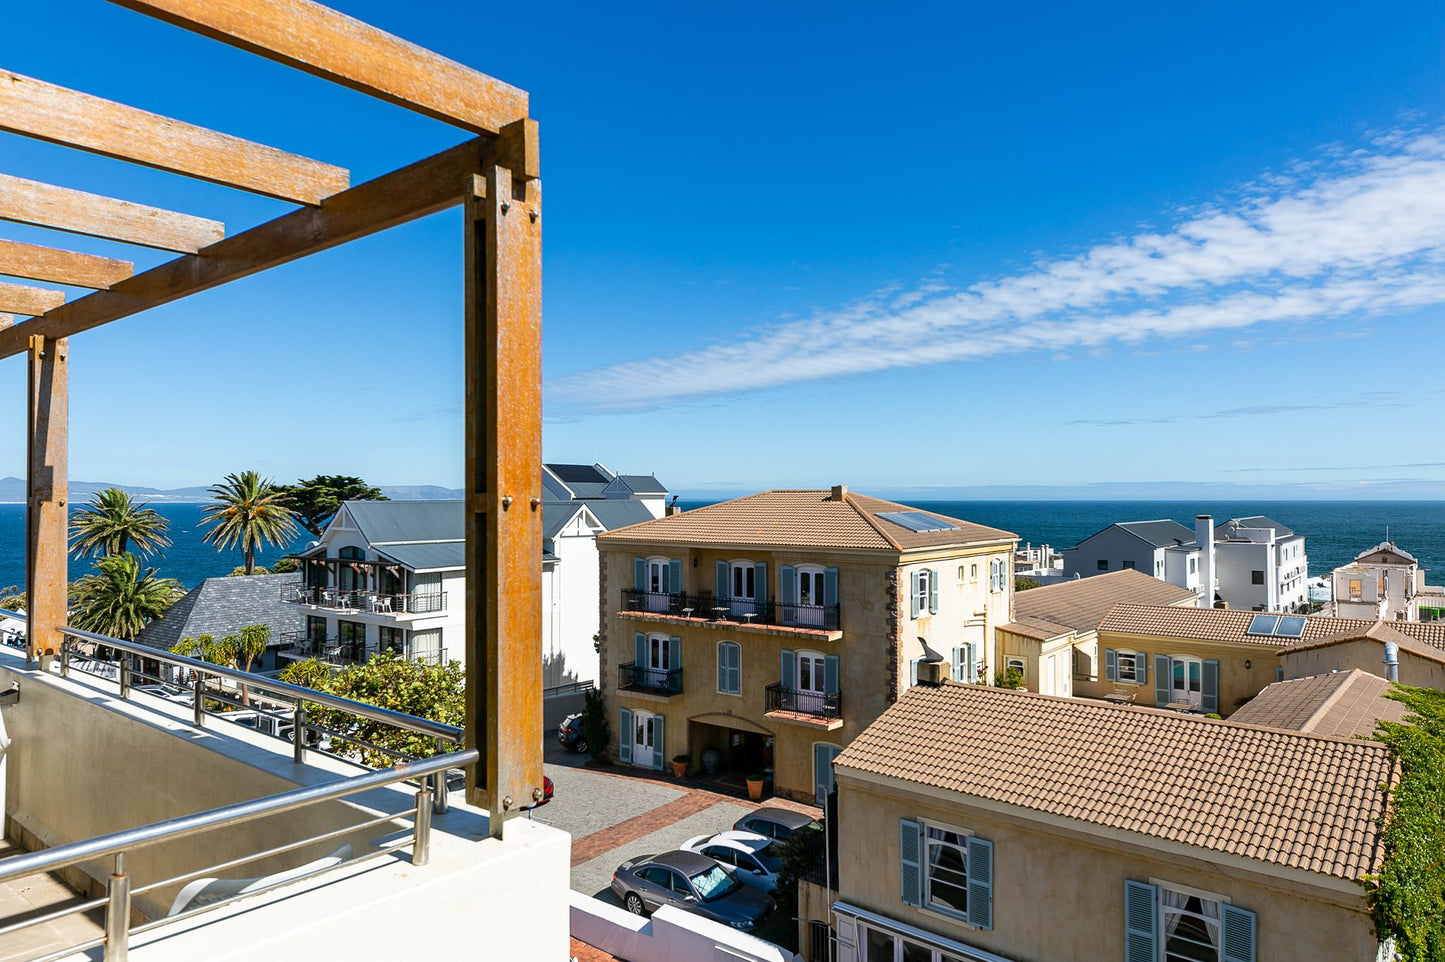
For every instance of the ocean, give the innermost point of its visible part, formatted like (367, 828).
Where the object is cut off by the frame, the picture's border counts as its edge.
(1335, 531)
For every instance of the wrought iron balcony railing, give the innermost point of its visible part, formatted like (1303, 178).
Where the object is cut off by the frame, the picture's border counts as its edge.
(732, 610)
(635, 677)
(371, 602)
(821, 704)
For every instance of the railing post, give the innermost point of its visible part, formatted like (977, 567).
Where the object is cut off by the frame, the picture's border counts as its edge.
(198, 710)
(64, 657)
(421, 826)
(117, 913)
(298, 735)
(440, 800)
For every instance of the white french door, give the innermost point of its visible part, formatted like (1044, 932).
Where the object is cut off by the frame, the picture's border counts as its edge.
(643, 733)
(810, 596)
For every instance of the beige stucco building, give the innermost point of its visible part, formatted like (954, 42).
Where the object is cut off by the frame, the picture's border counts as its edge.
(964, 809)
(774, 628)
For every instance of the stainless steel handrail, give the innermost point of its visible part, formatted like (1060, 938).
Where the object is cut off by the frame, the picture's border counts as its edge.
(261, 683)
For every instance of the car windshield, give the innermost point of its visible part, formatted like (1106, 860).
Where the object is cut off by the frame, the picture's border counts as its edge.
(714, 883)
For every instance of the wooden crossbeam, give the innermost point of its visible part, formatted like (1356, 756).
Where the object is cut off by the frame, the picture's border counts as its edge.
(423, 188)
(7, 320)
(61, 267)
(44, 111)
(18, 299)
(323, 42)
(60, 208)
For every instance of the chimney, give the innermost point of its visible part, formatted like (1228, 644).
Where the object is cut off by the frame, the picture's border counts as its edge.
(839, 492)
(933, 672)
(1204, 537)
(1392, 661)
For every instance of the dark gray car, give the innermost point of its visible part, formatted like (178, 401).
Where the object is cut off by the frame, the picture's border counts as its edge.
(693, 883)
(778, 823)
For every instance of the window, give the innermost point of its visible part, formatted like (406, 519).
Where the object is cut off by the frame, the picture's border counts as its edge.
(1171, 923)
(921, 581)
(1193, 565)
(393, 639)
(729, 668)
(880, 945)
(973, 572)
(1190, 926)
(1130, 667)
(1159, 569)
(1357, 588)
(351, 635)
(1102, 564)
(945, 859)
(1187, 683)
(810, 672)
(1256, 577)
(744, 581)
(960, 573)
(946, 870)
(1128, 566)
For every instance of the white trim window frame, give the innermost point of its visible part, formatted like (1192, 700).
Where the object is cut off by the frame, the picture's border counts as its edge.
(920, 598)
(1133, 659)
(1197, 913)
(742, 575)
(945, 864)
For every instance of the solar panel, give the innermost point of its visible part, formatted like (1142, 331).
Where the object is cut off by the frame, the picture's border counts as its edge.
(1290, 626)
(916, 521)
(1262, 625)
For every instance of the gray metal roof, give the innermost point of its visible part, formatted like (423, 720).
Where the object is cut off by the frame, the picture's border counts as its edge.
(642, 483)
(1161, 534)
(223, 606)
(553, 489)
(441, 556)
(569, 473)
(402, 521)
(556, 515)
(587, 489)
(1260, 521)
(619, 514)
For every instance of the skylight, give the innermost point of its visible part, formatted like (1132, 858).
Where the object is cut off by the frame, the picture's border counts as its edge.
(917, 521)
(1276, 626)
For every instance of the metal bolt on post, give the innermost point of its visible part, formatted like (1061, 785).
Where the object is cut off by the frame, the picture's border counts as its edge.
(117, 913)
(421, 828)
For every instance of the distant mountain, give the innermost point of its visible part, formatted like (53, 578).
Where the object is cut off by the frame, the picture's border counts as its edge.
(13, 490)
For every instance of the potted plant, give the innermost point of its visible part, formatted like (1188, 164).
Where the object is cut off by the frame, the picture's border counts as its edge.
(680, 763)
(755, 786)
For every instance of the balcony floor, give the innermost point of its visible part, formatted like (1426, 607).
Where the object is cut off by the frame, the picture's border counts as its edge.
(36, 895)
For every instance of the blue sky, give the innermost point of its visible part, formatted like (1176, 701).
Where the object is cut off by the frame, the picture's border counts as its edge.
(926, 250)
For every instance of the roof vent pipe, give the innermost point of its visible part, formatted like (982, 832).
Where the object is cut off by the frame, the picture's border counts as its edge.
(1392, 661)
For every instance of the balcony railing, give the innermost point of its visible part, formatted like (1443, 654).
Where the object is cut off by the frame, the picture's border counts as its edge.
(371, 602)
(333, 651)
(823, 705)
(635, 677)
(732, 610)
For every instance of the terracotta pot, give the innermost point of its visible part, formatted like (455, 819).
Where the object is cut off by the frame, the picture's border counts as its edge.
(755, 789)
(679, 769)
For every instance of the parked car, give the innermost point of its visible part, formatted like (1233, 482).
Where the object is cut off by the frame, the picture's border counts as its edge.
(778, 823)
(546, 794)
(268, 724)
(754, 856)
(569, 733)
(693, 883)
(169, 693)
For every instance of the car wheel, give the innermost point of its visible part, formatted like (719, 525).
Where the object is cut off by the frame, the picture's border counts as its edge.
(634, 903)
(580, 745)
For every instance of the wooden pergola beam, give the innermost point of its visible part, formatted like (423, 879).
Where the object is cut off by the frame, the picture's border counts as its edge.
(77, 212)
(61, 267)
(320, 41)
(7, 320)
(58, 115)
(423, 188)
(32, 301)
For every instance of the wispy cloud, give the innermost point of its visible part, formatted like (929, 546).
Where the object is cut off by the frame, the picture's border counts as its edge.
(1361, 232)
(1247, 411)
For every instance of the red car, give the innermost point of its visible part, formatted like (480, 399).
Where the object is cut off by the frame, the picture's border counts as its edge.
(546, 795)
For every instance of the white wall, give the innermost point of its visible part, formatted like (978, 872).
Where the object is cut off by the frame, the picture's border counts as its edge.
(575, 590)
(968, 611)
(670, 935)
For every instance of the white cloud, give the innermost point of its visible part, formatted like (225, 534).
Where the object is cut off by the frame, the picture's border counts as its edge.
(1363, 234)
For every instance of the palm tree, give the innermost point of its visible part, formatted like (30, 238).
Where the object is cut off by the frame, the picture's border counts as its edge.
(247, 510)
(111, 521)
(119, 598)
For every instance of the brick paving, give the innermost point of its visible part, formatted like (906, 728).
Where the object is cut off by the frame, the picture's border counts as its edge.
(582, 952)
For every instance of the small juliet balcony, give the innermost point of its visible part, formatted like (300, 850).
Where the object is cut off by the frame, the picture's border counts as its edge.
(366, 602)
(813, 708)
(655, 681)
(710, 609)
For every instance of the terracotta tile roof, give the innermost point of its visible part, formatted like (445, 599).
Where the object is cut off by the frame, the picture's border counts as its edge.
(810, 519)
(1219, 624)
(1082, 604)
(1382, 631)
(1344, 704)
(1287, 798)
(1036, 628)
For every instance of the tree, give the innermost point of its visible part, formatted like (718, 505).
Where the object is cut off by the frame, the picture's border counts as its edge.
(120, 597)
(316, 501)
(1024, 584)
(596, 729)
(246, 510)
(206, 648)
(111, 521)
(437, 692)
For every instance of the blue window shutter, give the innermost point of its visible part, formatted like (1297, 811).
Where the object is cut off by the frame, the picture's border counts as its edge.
(1163, 678)
(830, 586)
(722, 666)
(980, 882)
(933, 591)
(1209, 687)
(732, 658)
(639, 574)
(724, 590)
(1141, 921)
(674, 568)
(674, 664)
(830, 674)
(913, 672)
(1141, 665)
(760, 582)
(639, 650)
(788, 590)
(1111, 665)
(787, 673)
(913, 593)
(658, 743)
(1238, 933)
(910, 869)
(624, 736)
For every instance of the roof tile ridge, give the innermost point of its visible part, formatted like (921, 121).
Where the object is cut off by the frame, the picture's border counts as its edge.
(1318, 715)
(871, 521)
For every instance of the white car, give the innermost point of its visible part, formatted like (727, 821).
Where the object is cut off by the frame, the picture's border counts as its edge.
(752, 857)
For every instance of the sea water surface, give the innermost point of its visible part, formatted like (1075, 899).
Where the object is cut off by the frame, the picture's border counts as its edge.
(1335, 531)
